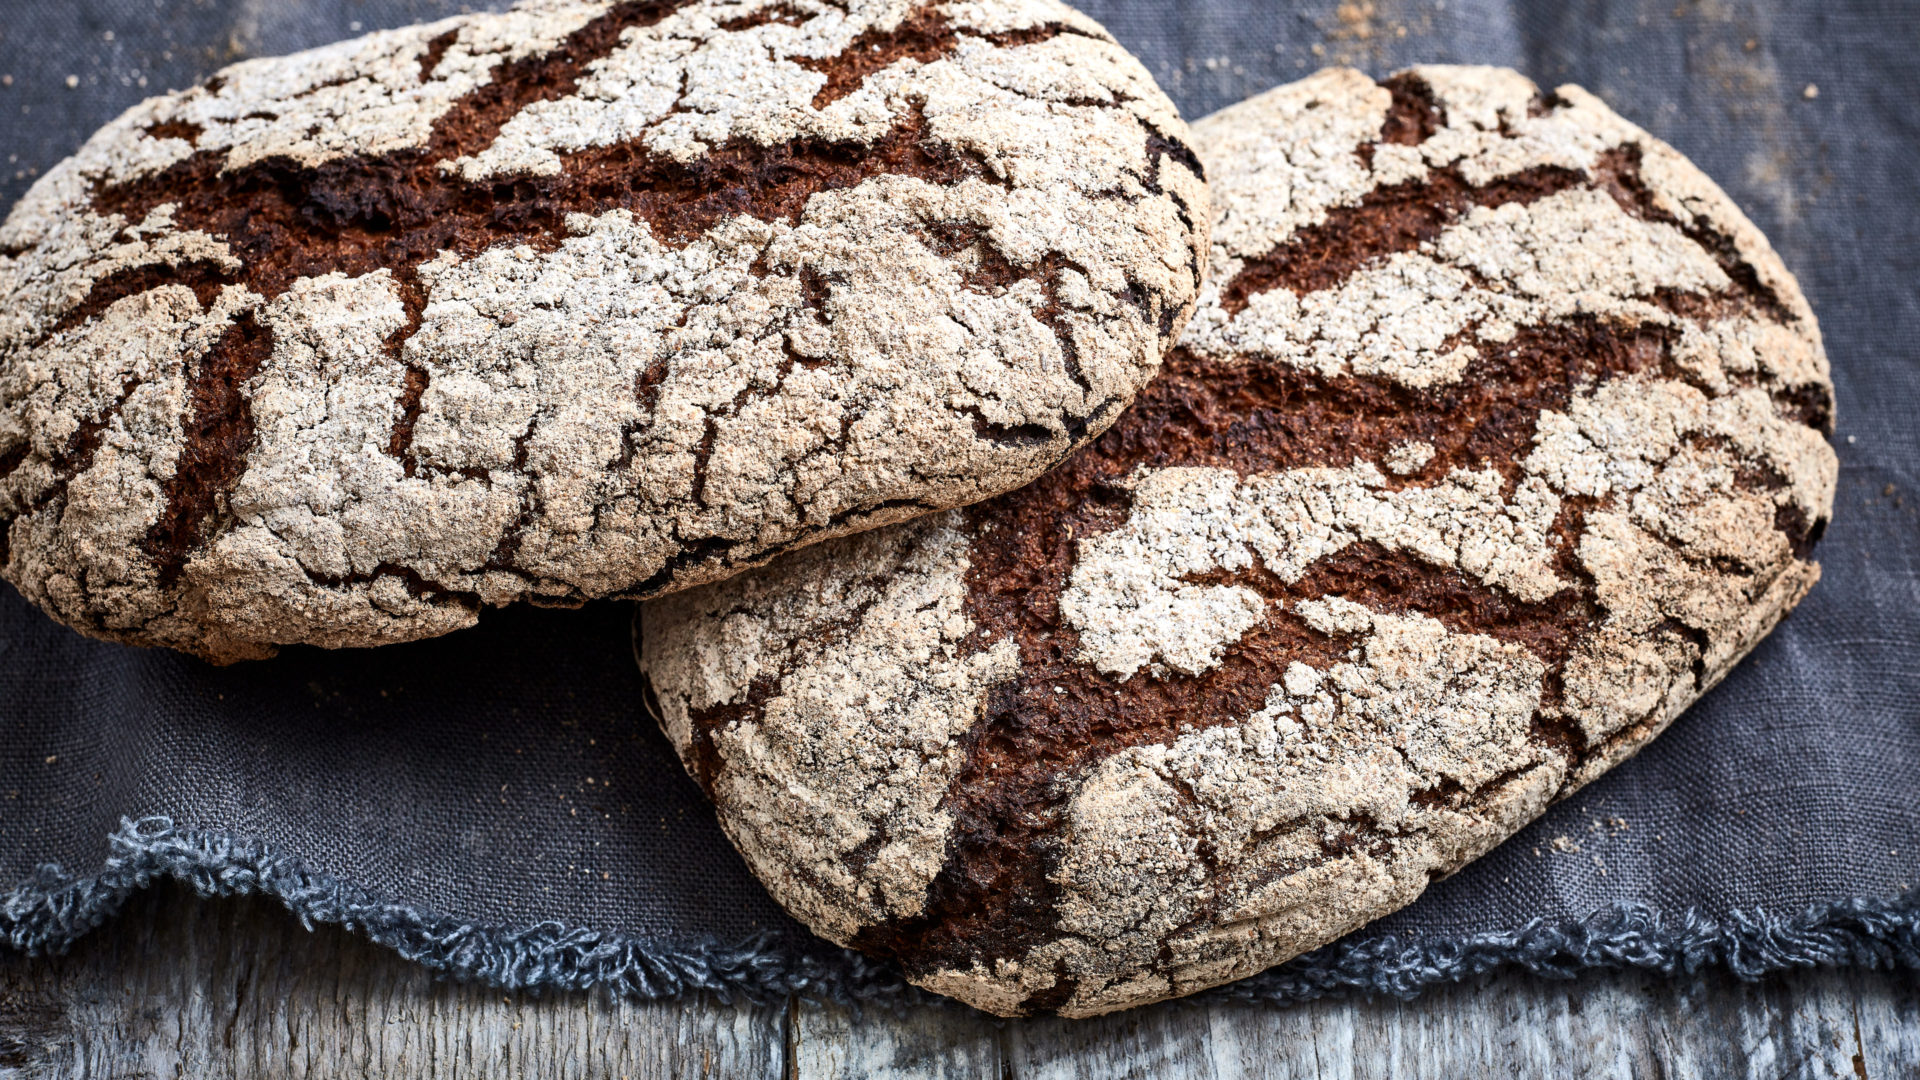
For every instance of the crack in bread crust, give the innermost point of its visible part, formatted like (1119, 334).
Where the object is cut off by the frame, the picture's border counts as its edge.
(584, 299)
(1496, 442)
(219, 428)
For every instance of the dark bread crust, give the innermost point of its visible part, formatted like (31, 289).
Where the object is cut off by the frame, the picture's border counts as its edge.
(1001, 921)
(274, 223)
(993, 900)
(358, 215)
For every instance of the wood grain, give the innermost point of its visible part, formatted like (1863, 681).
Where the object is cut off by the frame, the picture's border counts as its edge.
(180, 987)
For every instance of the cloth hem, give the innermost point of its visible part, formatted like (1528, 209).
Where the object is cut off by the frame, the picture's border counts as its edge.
(52, 909)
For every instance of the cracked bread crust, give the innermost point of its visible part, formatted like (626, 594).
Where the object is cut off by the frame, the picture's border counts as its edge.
(1498, 438)
(585, 299)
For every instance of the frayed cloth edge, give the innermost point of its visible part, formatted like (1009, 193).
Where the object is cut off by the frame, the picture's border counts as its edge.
(51, 910)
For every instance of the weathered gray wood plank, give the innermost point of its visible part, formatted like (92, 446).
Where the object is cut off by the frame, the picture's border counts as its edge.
(184, 988)
(878, 1043)
(1620, 1025)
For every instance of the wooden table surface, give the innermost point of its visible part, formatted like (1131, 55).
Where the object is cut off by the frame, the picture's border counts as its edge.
(183, 987)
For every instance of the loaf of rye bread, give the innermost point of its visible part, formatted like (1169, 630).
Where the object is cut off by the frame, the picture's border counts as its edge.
(1498, 438)
(584, 299)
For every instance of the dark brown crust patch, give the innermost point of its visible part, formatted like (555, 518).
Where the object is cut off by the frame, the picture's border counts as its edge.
(1256, 417)
(13, 458)
(219, 429)
(1811, 405)
(1618, 174)
(400, 444)
(702, 759)
(1159, 146)
(1414, 115)
(994, 897)
(435, 52)
(360, 215)
(1387, 220)
(203, 276)
(1402, 217)
(924, 36)
(784, 14)
(394, 211)
(177, 129)
(477, 118)
(74, 458)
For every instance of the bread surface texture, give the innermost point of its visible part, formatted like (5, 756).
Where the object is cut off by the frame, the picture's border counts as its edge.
(1499, 437)
(578, 300)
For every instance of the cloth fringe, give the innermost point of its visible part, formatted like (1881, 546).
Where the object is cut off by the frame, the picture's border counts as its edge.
(52, 909)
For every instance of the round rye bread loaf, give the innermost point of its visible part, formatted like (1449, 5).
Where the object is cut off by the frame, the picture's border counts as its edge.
(1497, 439)
(579, 300)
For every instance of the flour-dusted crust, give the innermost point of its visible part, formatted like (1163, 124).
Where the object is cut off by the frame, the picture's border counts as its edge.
(1498, 438)
(579, 300)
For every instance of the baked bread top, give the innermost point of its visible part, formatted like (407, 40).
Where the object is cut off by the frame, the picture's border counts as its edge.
(1498, 438)
(579, 300)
